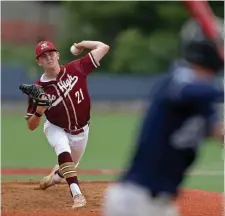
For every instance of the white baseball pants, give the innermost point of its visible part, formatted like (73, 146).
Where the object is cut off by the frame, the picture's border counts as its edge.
(126, 199)
(65, 142)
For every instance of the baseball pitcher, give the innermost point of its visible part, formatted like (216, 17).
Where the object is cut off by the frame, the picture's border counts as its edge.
(61, 95)
(181, 114)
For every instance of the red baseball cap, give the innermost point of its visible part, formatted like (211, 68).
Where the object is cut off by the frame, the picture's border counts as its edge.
(44, 46)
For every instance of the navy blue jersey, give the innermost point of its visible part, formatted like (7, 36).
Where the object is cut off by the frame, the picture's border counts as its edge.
(180, 115)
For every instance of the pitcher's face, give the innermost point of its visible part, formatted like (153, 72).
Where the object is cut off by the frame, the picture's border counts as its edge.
(49, 59)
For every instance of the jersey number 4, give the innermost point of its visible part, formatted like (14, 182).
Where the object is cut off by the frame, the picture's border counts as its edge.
(79, 95)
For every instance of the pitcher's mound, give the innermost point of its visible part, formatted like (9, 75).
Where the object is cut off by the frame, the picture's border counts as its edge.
(25, 199)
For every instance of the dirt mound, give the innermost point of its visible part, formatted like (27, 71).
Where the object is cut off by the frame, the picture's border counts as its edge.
(25, 199)
(200, 203)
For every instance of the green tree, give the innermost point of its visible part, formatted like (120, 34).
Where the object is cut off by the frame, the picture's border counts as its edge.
(143, 36)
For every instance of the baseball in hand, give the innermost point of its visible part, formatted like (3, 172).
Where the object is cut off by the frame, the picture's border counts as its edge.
(74, 50)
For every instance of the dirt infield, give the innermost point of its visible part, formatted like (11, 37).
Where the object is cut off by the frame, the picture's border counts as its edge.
(25, 199)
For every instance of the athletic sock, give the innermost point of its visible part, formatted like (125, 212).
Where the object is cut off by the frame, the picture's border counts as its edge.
(68, 171)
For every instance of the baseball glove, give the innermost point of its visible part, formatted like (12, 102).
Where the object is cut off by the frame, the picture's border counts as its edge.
(37, 94)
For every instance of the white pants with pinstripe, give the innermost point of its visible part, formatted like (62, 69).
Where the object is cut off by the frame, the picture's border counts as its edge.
(65, 142)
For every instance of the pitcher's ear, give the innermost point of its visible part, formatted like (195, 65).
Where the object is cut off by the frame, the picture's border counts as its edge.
(38, 62)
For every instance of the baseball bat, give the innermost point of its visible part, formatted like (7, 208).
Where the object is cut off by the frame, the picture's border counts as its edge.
(203, 14)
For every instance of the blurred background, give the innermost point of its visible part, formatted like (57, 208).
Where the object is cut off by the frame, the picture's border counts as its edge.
(144, 41)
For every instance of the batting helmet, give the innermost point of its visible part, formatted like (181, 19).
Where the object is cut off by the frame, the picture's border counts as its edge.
(197, 49)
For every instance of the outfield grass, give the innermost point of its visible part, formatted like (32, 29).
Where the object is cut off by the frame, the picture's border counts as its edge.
(110, 142)
(110, 138)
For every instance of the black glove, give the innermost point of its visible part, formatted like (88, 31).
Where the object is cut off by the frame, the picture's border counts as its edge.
(37, 94)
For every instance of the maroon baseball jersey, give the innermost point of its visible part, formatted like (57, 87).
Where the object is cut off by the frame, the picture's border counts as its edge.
(70, 99)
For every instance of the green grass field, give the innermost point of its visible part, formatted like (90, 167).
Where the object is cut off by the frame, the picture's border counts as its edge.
(110, 142)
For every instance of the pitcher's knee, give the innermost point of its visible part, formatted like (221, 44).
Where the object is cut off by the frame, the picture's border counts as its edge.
(60, 149)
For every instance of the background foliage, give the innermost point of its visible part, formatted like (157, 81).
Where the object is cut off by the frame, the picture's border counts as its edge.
(143, 36)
